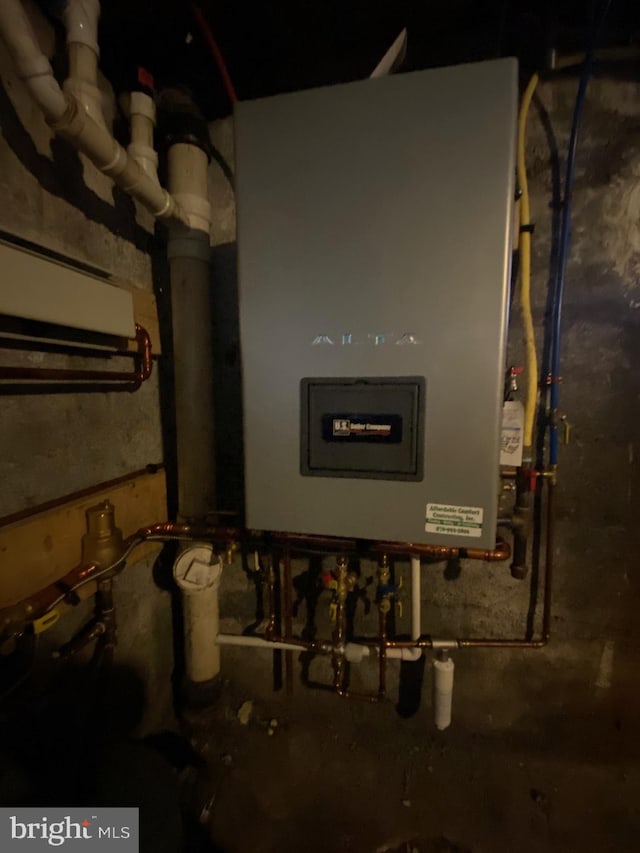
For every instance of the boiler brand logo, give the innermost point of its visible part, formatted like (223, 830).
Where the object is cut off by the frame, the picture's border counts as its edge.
(110, 829)
(372, 339)
(343, 427)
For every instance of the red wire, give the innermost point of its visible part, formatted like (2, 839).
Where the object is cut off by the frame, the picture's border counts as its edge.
(215, 51)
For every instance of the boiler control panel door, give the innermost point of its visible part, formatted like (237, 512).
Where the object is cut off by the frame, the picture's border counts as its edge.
(370, 428)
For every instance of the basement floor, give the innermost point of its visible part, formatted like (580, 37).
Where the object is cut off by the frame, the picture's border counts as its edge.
(264, 772)
(337, 775)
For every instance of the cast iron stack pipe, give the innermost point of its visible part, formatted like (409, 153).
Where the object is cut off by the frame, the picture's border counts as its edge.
(188, 151)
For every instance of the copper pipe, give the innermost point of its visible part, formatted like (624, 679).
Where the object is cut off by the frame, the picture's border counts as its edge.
(504, 643)
(501, 552)
(305, 645)
(270, 630)
(340, 629)
(129, 381)
(508, 473)
(43, 601)
(287, 582)
(366, 697)
(82, 493)
(14, 617)
(549, 559)
(382, 661)
(145, 364)
(277, 609)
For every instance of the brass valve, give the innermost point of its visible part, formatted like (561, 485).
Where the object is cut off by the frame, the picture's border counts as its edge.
(340, 587)
(383, 570)
(232, 547)
(387, 592)
(102, 543)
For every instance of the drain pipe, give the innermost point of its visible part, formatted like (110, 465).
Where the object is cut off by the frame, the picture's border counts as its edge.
(186, 137)
(81, 21)
(187, 142)
(72, 115)
(197, 572)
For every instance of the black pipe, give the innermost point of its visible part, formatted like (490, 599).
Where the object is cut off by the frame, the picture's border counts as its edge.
(521, 524)
(191, 318)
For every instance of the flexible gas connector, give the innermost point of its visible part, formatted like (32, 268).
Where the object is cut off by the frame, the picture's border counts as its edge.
(525, 267)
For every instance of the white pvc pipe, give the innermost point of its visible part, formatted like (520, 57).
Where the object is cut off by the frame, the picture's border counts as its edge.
(69, 118)
(411, 654)
(255, 643)
(143, 118)
(188, 167)
(32, 65)
(197, 572)
(442, 692)
(416, 628)
(355, 652)
(82, 82)
(81, 22)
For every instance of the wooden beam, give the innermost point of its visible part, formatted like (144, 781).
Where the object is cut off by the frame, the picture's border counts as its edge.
(39, 550)
(145, 313)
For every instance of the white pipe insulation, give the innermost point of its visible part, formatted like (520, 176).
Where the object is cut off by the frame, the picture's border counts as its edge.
(71, 120)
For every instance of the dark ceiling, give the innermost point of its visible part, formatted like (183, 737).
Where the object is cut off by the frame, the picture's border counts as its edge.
(293, 44)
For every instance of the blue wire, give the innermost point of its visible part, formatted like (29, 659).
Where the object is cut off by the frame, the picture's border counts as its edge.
(565, 236)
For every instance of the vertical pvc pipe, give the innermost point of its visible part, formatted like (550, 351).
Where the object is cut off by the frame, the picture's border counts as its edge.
(443, 669)
(197, 571)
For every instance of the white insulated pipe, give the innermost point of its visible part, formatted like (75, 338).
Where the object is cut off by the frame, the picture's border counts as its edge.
(70, 120)
(443, 669)
(197, 571)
